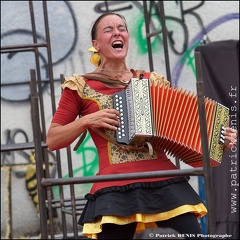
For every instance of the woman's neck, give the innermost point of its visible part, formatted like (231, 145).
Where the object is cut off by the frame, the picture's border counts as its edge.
(122, 74)
(114, 66)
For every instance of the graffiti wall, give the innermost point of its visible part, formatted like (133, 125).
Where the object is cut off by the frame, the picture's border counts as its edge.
(189, 24)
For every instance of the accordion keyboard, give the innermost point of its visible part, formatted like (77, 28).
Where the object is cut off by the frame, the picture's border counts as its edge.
(122, 133)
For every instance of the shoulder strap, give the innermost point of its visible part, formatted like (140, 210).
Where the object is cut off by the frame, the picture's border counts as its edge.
(80, 141)
(138, 73)
(145, 148)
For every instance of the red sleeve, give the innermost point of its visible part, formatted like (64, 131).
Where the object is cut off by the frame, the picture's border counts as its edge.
(146, 75)
(69, 107)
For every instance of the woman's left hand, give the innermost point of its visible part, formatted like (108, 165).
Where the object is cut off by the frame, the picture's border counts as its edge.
(229, 137)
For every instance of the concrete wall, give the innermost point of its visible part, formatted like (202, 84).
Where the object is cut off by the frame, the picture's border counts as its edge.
(70, 24)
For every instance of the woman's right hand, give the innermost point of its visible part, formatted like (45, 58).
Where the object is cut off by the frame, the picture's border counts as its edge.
(106, 118)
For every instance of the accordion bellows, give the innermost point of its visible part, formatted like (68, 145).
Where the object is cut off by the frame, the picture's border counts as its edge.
(168, 118)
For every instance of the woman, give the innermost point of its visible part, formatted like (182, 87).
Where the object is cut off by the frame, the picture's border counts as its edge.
(118, 209)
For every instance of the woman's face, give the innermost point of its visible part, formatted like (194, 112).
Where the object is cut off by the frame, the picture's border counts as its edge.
(112, 38)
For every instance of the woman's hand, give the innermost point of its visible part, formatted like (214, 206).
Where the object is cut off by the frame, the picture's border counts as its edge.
(106, 118)
(229, 135)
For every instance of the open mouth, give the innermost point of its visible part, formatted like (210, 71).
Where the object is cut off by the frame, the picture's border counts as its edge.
(117, 45)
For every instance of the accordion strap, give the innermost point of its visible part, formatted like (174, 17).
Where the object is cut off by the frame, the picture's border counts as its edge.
(147, 147)
(80, 141)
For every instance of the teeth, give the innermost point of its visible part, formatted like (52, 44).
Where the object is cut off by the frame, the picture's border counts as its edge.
(117, 43)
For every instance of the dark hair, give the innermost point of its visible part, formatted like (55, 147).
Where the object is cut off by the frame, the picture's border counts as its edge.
(95, 24)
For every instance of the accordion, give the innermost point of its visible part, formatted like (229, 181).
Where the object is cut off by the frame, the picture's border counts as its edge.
(167, 118)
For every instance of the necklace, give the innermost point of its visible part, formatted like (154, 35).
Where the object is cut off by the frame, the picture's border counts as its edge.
(116, 74)
(124, 81)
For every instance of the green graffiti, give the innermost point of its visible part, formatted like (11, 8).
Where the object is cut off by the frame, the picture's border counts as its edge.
(85, 152)
(89, 157)
(88, 168)
(139, 33)
(190, 59)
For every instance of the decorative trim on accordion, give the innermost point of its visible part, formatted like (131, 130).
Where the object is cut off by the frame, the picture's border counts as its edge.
(168, 118)
(216, 148)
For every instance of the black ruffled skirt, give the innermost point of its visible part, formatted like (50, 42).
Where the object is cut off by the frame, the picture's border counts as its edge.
(147, 198)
